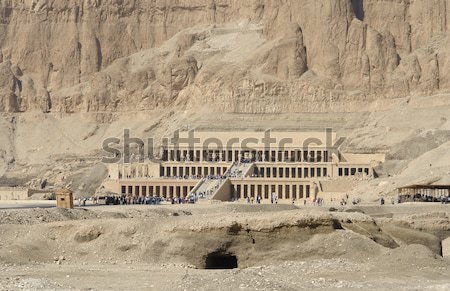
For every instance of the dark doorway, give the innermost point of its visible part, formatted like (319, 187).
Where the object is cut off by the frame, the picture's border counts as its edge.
(358, 9)
(218, 260)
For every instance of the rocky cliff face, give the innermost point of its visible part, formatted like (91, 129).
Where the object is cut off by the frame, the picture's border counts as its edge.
(237, 56)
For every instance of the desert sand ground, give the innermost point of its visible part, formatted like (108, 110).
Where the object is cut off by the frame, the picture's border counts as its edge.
(278, 247)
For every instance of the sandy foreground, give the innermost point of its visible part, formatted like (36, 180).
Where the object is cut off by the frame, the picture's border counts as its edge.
(277, 247)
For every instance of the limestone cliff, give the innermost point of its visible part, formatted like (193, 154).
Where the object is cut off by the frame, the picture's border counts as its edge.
(233, 56)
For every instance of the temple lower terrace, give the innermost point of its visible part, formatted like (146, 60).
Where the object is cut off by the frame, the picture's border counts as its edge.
(241, 167)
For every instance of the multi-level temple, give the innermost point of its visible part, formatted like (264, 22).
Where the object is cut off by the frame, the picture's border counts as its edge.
(230, 166)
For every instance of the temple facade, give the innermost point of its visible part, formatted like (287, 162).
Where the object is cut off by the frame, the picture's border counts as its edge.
(287, 166)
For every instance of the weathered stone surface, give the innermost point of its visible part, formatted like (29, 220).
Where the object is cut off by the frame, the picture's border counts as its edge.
(236, 56)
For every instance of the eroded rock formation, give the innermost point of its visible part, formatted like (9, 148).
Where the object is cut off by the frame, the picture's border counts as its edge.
(244, 56)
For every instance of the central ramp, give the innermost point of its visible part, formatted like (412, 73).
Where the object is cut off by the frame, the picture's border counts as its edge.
(219, 188)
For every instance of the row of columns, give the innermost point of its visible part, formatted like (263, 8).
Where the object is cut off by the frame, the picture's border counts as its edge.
(171, 171)
(238, 155)
(132, 171)
(281, 191)
(291, 172)
(346, 172)
(425, 191)
(142, 171)
(164, 191)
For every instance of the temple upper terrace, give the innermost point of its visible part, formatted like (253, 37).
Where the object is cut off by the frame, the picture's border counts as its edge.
(251, 146)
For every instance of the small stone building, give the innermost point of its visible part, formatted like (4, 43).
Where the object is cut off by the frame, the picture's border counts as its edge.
(64, 199)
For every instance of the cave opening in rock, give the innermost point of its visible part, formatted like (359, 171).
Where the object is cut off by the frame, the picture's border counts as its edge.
(358, 8)
(219, 260)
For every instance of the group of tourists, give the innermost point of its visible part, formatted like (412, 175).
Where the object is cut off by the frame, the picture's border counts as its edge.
(83, 200)
(424, 198)
(251, 200)
(274, 200)
(133, 200)
(185, 177)
(216, 177)
(194, 177)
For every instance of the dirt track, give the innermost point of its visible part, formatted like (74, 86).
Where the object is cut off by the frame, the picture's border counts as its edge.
(276, 247)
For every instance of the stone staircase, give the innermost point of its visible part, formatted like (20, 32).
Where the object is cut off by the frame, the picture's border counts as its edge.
(239, 170)
(208, 187)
